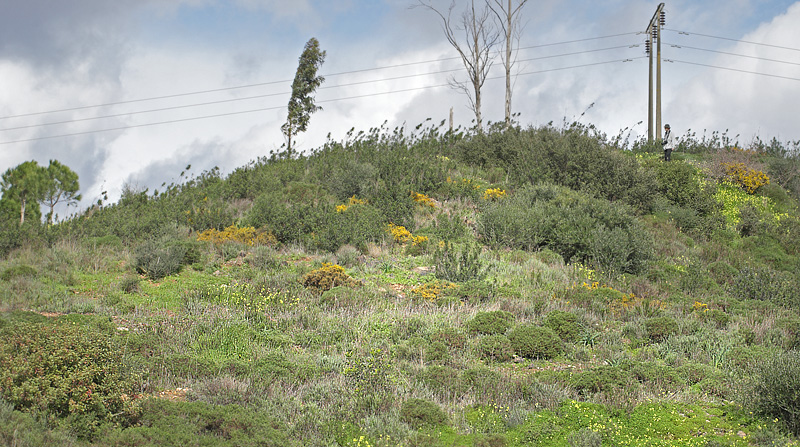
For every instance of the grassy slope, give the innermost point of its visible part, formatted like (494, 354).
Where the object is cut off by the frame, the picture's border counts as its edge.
(237, 327)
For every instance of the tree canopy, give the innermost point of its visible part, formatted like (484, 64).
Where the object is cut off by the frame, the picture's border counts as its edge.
(306, 81)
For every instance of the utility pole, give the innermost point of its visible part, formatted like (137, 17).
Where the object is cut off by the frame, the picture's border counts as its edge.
(654, 37)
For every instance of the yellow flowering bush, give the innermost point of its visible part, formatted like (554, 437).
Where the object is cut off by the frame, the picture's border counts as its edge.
(733, 198)
(233, 233)
(399, 233)
(422, 199)
(352, 201)
(432, 290)
(749, 179)
(494, 194)
(328, 277)
(700, 307)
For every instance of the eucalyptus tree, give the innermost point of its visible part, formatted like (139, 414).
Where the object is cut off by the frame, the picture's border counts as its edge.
(306, 81)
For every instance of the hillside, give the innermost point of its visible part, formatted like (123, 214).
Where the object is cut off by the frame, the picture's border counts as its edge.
(524, 287)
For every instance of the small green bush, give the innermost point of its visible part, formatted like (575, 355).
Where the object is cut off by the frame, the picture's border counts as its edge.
(659, 328)
(18, 271)
(535, 342)
(565, 324)
(776, 392)
(599, 379)
(458, 264)
(444, 381)
(129, 284)
(158, 260)
(451, 337)
(436, 352)
(491, 322)
(494, 348)
(419, 413)
(585, 437)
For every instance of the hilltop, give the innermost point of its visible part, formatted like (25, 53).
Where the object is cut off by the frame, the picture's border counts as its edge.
(546, 286)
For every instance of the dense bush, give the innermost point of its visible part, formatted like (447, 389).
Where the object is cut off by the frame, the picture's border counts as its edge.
(458, 264)
(494, 348)
(599, 379)
(565, 324)
(659, 328)
(419, 413)
(65, 370)
(535, 342)
(491, 322)
(197, 423)
(16, 271)
(573, 224)
(776, 392)
(159, 259)
(574, 157)
(766, 284)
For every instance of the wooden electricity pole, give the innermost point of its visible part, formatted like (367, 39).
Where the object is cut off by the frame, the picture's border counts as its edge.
(654, 36)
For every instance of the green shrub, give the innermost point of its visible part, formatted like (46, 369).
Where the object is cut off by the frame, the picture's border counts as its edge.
(659, 328)
(565, 324)
(419, 413)
(494, 348)
(599, 379)
(766, 284)
(491, 440)
(451, 337)
(158, 260)
(65, 370)
(776, 392)
(129, 284)
(716, 316)
(436, 352)
(164, 422)
(491, 322)
(449, 227)
(535, 342)
(585, 437)
(18, 271)
(572, 224)
(443, 381)
(481, 379)
(357, 225)
(458, 264)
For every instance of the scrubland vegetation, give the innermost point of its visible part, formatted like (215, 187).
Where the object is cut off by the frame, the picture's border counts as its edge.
(546, 286)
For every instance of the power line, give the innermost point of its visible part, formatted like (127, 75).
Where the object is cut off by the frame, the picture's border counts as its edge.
(162, 109)
(734, 69)
(733, 40)
(262, 84)
(731, 54)
(219, 115)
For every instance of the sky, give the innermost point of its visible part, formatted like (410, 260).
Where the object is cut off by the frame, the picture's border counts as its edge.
(127, 94)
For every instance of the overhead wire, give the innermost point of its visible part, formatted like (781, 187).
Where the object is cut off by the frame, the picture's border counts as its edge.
(733, 40)
(223, 101)
(262, 84)
(132, 126)
(674, 45)
(733, 69)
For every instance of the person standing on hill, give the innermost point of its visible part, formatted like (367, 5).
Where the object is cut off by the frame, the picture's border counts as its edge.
(668, 142)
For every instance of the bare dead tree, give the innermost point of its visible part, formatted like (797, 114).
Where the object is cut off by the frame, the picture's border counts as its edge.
(473, 37)
(507, 13)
